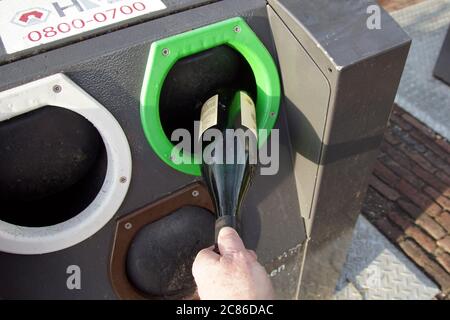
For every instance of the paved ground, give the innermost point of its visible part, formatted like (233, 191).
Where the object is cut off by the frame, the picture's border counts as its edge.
(377, 270)
(424, 96)
(409, 195)
(408, 201)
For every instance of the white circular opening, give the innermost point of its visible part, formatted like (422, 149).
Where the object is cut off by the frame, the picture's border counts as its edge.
(38, 240)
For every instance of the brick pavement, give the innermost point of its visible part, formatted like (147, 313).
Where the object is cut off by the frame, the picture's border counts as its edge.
(408, 198)
(393, 5)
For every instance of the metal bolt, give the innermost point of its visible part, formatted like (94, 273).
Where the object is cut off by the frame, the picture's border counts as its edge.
(165, 52)
(272, 114)
(128, 225)
(195, 193)
(123, 179)
(57, 88)
(237, 29)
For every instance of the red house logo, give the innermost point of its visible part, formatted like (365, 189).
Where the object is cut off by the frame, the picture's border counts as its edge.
(31, 17)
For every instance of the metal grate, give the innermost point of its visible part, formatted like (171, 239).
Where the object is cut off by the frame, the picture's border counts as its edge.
(376, 270)
(425, 97)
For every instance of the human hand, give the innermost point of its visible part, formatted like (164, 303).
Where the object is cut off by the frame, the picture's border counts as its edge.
(235, 274)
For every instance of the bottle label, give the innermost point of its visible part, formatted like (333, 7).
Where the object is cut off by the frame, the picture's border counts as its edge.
(209, 114)
(248, 113)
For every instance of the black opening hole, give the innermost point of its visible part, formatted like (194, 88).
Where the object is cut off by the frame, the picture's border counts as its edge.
(194, 79)
(52, 166)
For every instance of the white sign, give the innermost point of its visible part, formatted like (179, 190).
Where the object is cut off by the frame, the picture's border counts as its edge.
(26, 24)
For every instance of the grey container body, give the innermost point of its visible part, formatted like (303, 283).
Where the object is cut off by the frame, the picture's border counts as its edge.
(339, 81)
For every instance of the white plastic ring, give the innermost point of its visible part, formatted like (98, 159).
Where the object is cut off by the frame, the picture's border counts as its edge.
(40, 93)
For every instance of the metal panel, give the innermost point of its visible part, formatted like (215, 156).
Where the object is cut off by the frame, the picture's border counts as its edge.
(376, 270)
(302, 81)
(363, 68)
(442, 69)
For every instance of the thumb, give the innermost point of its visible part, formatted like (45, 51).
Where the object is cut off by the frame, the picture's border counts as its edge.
(229, 241)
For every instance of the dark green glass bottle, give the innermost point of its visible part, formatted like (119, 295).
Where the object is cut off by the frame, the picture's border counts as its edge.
(230, 160)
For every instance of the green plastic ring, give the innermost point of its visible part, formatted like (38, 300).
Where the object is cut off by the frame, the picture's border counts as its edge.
(166, 52)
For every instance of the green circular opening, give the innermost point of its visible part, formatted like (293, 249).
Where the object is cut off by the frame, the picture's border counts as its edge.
(164, 55)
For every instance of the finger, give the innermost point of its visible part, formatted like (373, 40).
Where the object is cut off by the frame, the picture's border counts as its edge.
(253, 254)
(229, 241)
(207, 255)
(204, 258)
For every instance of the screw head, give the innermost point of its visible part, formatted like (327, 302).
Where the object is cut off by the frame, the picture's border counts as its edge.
(128, 225)
(237, 29)
(195, 193)
(57, 88)
(272, 114)
(123, 179)
(165, 52)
